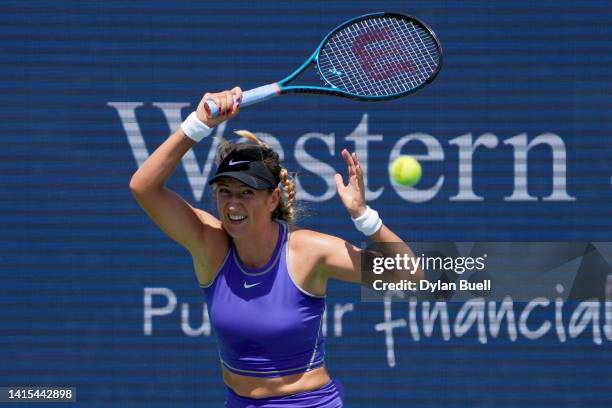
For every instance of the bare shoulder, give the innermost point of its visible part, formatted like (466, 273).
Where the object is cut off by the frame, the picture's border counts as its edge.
(315, 243)
(324, 256)
(212, 247)
(316, 248)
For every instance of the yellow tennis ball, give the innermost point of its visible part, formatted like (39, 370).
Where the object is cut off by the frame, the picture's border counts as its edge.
(405, 170)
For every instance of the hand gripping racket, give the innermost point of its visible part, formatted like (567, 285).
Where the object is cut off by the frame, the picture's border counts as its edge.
(374, 57)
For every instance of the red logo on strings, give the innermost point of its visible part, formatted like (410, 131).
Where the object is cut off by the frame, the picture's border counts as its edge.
(378, 61)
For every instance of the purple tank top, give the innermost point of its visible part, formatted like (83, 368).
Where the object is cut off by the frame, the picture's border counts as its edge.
(266, 326)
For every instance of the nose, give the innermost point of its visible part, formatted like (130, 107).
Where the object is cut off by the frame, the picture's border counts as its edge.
(233, 201)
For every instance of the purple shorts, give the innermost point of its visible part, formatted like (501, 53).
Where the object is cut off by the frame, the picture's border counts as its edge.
(328, 396)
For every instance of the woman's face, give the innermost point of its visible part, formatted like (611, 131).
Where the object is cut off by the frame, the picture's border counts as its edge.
(243, 209)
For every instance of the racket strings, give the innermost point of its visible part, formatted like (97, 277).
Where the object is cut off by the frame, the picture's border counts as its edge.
(379, 56)
(387, 59)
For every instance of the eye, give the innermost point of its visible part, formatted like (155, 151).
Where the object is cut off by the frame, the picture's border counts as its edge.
(247, 193)
(223, 191)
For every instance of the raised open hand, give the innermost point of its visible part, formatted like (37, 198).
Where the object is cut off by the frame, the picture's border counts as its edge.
(352, 194)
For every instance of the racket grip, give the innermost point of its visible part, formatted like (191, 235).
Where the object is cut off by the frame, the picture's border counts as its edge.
(250, 97)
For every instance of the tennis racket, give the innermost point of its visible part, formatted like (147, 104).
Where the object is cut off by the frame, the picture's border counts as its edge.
(374, 57)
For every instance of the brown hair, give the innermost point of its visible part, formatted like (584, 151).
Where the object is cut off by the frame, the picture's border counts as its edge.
(286, 207)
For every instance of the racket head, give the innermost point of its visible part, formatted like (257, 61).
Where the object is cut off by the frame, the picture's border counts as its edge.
(375, 57)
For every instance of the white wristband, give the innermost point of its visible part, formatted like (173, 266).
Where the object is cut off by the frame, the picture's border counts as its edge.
(194, 128)
(368, 223)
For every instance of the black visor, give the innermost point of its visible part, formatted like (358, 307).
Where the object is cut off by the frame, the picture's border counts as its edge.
(245, 165)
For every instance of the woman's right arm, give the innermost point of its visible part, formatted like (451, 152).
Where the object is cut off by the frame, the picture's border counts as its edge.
(194, 229)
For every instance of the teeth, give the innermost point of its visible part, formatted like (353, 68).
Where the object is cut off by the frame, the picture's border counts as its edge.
(237, 217)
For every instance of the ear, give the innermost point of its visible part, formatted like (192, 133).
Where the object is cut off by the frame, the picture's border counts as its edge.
(274, 199)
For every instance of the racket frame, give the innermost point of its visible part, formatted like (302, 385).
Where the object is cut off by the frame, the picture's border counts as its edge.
(333, 90)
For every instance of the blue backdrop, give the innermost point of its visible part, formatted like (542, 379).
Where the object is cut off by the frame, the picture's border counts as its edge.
(514, 138)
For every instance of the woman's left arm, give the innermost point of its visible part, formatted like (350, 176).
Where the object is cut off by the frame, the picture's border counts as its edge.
(342, 260)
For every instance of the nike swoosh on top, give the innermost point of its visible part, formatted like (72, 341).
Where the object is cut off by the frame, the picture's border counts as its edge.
(232, 162)
(246, 286)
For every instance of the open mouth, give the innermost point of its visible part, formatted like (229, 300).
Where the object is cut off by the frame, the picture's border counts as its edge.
(236, 219)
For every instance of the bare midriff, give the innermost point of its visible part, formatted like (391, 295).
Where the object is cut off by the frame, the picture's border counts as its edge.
(265, 387)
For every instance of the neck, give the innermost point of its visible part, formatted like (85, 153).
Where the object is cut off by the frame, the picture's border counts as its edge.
(255, 251)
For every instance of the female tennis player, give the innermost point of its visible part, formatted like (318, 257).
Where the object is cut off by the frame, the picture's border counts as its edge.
(264, 279)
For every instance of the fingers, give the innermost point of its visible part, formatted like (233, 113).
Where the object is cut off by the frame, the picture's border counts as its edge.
(236, 101)
(349, 162)
(209, 97)
(347, 157)
(358, 169)
(339, 182)
(223, 100)
(238, 94)
(352, 162)
(227, 102)
(228, 105)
